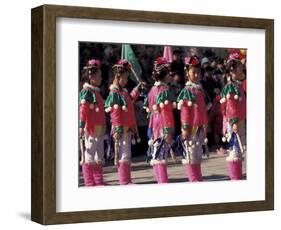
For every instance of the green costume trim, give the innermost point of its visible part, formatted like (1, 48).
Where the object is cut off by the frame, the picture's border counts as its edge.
(115, 98)
(230, 88)
(82, 124)
(163, 96)
(88, 96)
(167, 130)
(118, 129)
(186, 95)
(185, 126)
(234, 120)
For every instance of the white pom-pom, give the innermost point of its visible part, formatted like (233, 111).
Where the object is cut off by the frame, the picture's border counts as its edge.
(179, 107)
(97, 109)
(154, 107)
(147, 110)
(138, 140)
(115, 106)
(228, 96)
(222, 100)
(166, 102)
(206, 140)
(174, 105)
(83, 101)
(108, 109)
(92, 106)
(223, 139)
(124, 108)
(190, 142)
(197, 142)
(150, 142)
(189, 103)
(161, 105)
(181, 102)
(236, 97)
(133, 141)
(124, 142)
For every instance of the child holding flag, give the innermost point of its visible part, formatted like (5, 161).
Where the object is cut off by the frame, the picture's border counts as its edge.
(119, 104)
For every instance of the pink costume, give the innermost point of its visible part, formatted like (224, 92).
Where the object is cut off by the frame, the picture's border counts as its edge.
(191, 102)
(233, 100)
(159, 106)
(122, 115)
(92, 119)
(234, 111)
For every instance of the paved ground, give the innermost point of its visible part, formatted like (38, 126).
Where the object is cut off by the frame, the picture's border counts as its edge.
(213, 169)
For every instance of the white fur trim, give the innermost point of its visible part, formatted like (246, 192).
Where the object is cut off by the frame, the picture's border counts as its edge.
(124, 108)
(154, 162)
(185, 161)
(115, 106)
(166, 102)
(161, 105)
(232, 156)
(108, 109)
(236, 97)
(223, 100)
(150, 142)
(189, 103)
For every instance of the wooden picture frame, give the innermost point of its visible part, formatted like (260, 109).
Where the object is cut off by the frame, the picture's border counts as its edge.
(43, 208)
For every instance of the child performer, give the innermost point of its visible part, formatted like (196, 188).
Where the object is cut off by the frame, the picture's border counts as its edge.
(234, 111)
(159, 106)
(122, 115)
(191, 103)
(92, 125)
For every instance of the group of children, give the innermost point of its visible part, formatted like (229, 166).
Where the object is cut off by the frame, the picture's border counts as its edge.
(161, 103)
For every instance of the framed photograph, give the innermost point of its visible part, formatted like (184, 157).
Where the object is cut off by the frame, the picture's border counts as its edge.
(139, 114)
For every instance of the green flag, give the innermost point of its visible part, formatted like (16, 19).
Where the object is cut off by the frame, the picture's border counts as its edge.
(128, 54)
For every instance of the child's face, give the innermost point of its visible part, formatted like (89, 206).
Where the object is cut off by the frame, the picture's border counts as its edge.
(176, 78)
(124, 79)
(193, 74)
(168, 78)
(238, 73)
(96, 78)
